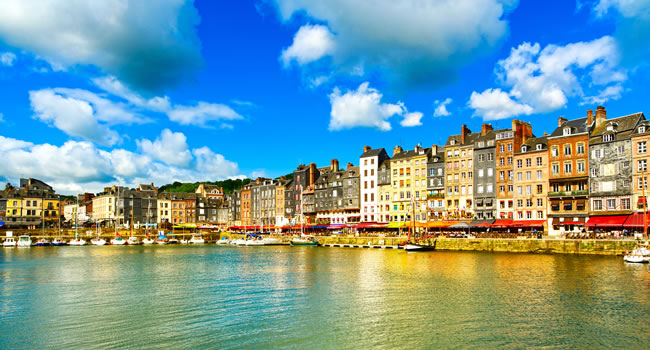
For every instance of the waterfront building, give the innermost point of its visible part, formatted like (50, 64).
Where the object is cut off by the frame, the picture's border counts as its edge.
(459, 161)
(409, 180)
(209, 210)
(507, 141)
(610, 163)
(328, 195)
(234, 208)
(384, 190)
(209, 191)
(164, 205)
(640, 140)
(436, 184)
(280, 202)
(351, 195)
(303, 178)
(33, 204)
(190, 209)
(568, 175)
(3, 206)
(485, 174)
(245, 210)
(531, 183)
(368, 164)
(263, 201)
(104, 208)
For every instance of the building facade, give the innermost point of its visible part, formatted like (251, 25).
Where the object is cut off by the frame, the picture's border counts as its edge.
(369, 195)
(531, 180)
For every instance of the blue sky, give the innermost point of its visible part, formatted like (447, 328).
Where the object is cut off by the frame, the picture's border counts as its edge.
(128, 92)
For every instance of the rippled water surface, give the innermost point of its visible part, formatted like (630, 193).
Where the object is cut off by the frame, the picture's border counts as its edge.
(305, 298)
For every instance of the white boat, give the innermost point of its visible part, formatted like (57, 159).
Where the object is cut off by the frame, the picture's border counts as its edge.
(24, 242)
(133, 240)
(161, 241)
(98, 241)
(640, 254)
(9, 242)
(118, 241)
(148, 241)
(238, 242)
(197, 240)
(184, 241)
(254, 242)
(42, 243)
(223, 241)
(77, 242)
(272, 241)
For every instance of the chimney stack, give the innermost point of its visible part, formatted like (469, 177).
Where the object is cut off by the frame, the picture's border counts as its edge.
(397, 150)
(601, 115)
(464, 131)
(334, 165)
(485, 128)
(545, 134)
(350, 165)
(434, 149)
(561, 120)
(312, 174)
(366, 149)
(590, 116)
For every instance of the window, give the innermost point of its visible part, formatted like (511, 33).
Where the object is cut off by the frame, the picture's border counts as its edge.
(540, 202)
(566, 131)
(641, 129)
(567, 150)
(620, 149)
(555, 169)
(509, 160)
(554, 151)
(529, 175)
(490, 172)
(519, 163)
(480, 173)
(608, 138)
(581, 166)
(481, 157)
(540, 190)
(528, 162)
(611, 204)
(501, 149)
(479, 189)
(625, 203)
(641, 147)
(596, 153)
(502, 175)
(642, 165)
(510, 147)
(580, 148)
(519, 176)
(642, 181)
(489, 188)
(568, 168)
(539, 174)
(529, 190)
(490, 156)
(598, 204)
(502, 162)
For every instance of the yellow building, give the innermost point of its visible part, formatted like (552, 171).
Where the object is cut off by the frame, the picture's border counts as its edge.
(409, 184)
(459, 170)
(531, 182)
(164, 207)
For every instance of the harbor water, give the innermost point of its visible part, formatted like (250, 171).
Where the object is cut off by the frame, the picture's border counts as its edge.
(209, 297)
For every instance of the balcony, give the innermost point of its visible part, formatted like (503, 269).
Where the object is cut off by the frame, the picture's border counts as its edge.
(568, 193)
(435, 196)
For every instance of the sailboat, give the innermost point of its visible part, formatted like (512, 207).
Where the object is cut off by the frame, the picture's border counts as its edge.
(304, 240)
(412, 245)
(97, 240)
(77, 241)
(640, 253)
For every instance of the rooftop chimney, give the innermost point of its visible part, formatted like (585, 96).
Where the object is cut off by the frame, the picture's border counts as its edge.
(397, 150)
(312, 174)
(334, 165)
(561, 120)
(601, 115)
(464, 131)
(434, 149)
(545, 134)
(366, 149)
(485, 128)
(590, 116)
(350, 165)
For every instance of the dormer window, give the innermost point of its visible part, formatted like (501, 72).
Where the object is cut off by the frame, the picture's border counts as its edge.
(608, 137)
(453, 142)
(481, 144)
(539, 147)
(641, 129)
(567, 131)
(523, 149)
(611, 126)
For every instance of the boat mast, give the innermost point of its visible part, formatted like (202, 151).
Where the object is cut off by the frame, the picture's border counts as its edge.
(76, 222)
(42, 213)
(301, 213)
(645, 213)
(117, 209)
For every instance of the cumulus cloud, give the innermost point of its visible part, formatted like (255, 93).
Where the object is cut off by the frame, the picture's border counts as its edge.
(361, 108)
(310, 43)
(202, 113)
(544, 79)
(411, 119)
(441, 108)
(170, 147)
(610, 93)
(7, 59)
(148, 45)
(78, 166)
(632, 26)
(411, 41)
(496, 104)
(73, 116)
(112, 85)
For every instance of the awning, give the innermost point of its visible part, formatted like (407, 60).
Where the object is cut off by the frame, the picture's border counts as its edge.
(528, 223)
(396, 224)
(607, 221)
(636, 220)
(371, 225)
(460, 225)
(440, 224)
(335, 226)
(481, 223)
(502, 223)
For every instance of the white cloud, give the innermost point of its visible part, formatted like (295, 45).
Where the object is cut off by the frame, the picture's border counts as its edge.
(610, 93)
(628, 8)
(73, 116)
(310, 43)
(496, 104)
(441, 108)
(170, 147)
(148, 45)
(543, 80)
(202, 113)
(7, 58)
(363, 108)
(112, 85)
(632, 28)
(78, 166)
(410, 41)
(411, 119)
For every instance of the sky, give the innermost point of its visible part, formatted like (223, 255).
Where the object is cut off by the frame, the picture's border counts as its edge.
(128, 92)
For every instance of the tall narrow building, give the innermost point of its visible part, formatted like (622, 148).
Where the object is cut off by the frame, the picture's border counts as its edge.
(485, 174)
(507, 140)
(368, 166)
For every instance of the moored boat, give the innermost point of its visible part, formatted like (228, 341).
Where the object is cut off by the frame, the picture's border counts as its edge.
(184, 241)
(172, 241)
(197, 240)
(118, 241)
(272, 241)
(24, 241)
(223, 241)
(148, 241)
(77, 242)
(98, 241)
(58, 242)
(640, 254)
(133, 240)
(304, 242)
(417, 247)
(42, 243)
(9, 242)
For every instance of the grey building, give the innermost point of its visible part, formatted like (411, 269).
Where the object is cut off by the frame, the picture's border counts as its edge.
(328, 194)
(136, 208)
(610, 164)
(436, 183)
(485, 174)
(234, 207)
(351, 193)
(304, 177)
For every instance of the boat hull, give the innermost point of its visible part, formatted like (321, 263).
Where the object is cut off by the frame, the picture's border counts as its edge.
(414, 247)
(639, 259)
(42, 244)
(304, 244)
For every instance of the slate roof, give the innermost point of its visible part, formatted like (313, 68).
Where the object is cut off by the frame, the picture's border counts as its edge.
(624, 128)
(372, 152)
(411, 153)
(578, 126)
(532, 144)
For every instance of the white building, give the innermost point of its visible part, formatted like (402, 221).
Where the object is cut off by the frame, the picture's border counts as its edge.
(369, 194)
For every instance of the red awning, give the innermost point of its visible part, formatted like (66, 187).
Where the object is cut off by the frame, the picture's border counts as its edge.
(502, 223)
(370, 225)
(607, 221)
(528, 223)
(635, 220)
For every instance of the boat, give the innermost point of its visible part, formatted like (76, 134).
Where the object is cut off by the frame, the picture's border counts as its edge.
(238, 242)
(640, 254)
(172, 241)
(412, 245)
(58, 242)
(148, 241)
(24, 241)
(133, 240)
(9, 242)
(42, 243)
(254, 242)
(223, 241)
(118, 241)
(304, 242)
(184, 241)
(197, 240)
(98, 241)
(77, 242)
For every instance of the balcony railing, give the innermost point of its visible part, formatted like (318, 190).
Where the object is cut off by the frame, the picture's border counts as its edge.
(435, 196)
(568, 193)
